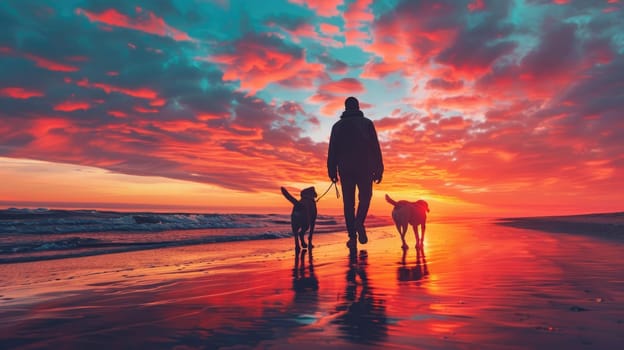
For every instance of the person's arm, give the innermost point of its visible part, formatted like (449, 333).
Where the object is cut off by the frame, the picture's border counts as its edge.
(332, 161)
(377, 158)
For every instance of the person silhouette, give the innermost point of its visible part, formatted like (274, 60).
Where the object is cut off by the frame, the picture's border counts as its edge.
(354, 154)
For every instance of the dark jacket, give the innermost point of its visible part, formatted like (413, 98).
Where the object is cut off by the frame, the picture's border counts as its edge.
(354, 148)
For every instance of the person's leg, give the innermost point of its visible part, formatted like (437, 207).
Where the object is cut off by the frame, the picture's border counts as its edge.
(365, 193)
(348, 201)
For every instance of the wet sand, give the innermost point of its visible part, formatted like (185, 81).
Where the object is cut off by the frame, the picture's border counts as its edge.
(476, 285)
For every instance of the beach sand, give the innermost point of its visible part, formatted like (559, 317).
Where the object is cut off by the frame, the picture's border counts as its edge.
(476, 285)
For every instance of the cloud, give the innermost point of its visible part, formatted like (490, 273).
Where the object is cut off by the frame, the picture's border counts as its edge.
(145, 21)
(70, 106)
(145, 93)
(331, 94)
(324, 8)
(50, 65)
(256, 61)
(18, 92)
(358, 17)
(443, 84)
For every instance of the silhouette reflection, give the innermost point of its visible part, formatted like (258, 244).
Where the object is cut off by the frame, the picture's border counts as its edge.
(413, 273)
(304, 280)
(361, 313)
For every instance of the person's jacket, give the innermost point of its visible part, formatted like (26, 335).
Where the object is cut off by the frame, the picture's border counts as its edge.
(354, 148)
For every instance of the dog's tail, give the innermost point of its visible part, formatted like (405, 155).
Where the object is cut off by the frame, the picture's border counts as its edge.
(390, 200)
(288, 196)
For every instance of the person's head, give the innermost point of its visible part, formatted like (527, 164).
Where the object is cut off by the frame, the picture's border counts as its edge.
(352, 104)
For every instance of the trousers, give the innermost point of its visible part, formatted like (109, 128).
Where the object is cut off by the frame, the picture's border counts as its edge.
(364, 186)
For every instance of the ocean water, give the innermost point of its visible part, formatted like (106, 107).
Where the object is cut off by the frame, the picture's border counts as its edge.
(41, 234)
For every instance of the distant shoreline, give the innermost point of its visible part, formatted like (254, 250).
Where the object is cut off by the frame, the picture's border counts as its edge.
(608, 225)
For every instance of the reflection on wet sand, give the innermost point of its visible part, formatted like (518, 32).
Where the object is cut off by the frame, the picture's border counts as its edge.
(303, 280)
(479, 286)
(361, 314)
(418, 271)
(305, 284)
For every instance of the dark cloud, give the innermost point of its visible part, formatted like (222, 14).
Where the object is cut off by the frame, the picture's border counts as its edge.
(443, 84)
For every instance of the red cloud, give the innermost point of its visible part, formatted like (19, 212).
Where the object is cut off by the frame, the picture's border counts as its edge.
(331, 104)
(459, 102)
(19, 93)
(260, 61)
(325, 8)
(159, 102)
(409, 39)
(332, 94)
(443, 84)
(343, 86)
(144, 93)
(379, 70)
(146, 22)
(477, 5)
(307, 30)
(50, 65)
(329, 29)
(117, 114)
(142, 109)
(454, 123)
(70, 106)
(358, 17)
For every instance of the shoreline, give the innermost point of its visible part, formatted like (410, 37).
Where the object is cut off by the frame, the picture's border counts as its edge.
(606, 225)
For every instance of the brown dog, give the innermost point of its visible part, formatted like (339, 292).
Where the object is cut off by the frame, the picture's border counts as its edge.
(410, 213)
(303, 216)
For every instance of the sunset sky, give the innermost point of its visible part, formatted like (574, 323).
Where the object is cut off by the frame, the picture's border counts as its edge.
(482, 107)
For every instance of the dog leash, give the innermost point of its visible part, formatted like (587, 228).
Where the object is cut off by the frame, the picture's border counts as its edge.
(329, 188)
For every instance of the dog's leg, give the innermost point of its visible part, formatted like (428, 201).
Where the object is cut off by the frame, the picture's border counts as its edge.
(295, 231)
(297, 247)
(302, 239)
(415, 227)
(423, 226)
(402, 231)
(310, 245)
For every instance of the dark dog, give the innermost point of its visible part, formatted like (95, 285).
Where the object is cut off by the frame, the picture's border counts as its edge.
(303, 216)
(410, 213)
